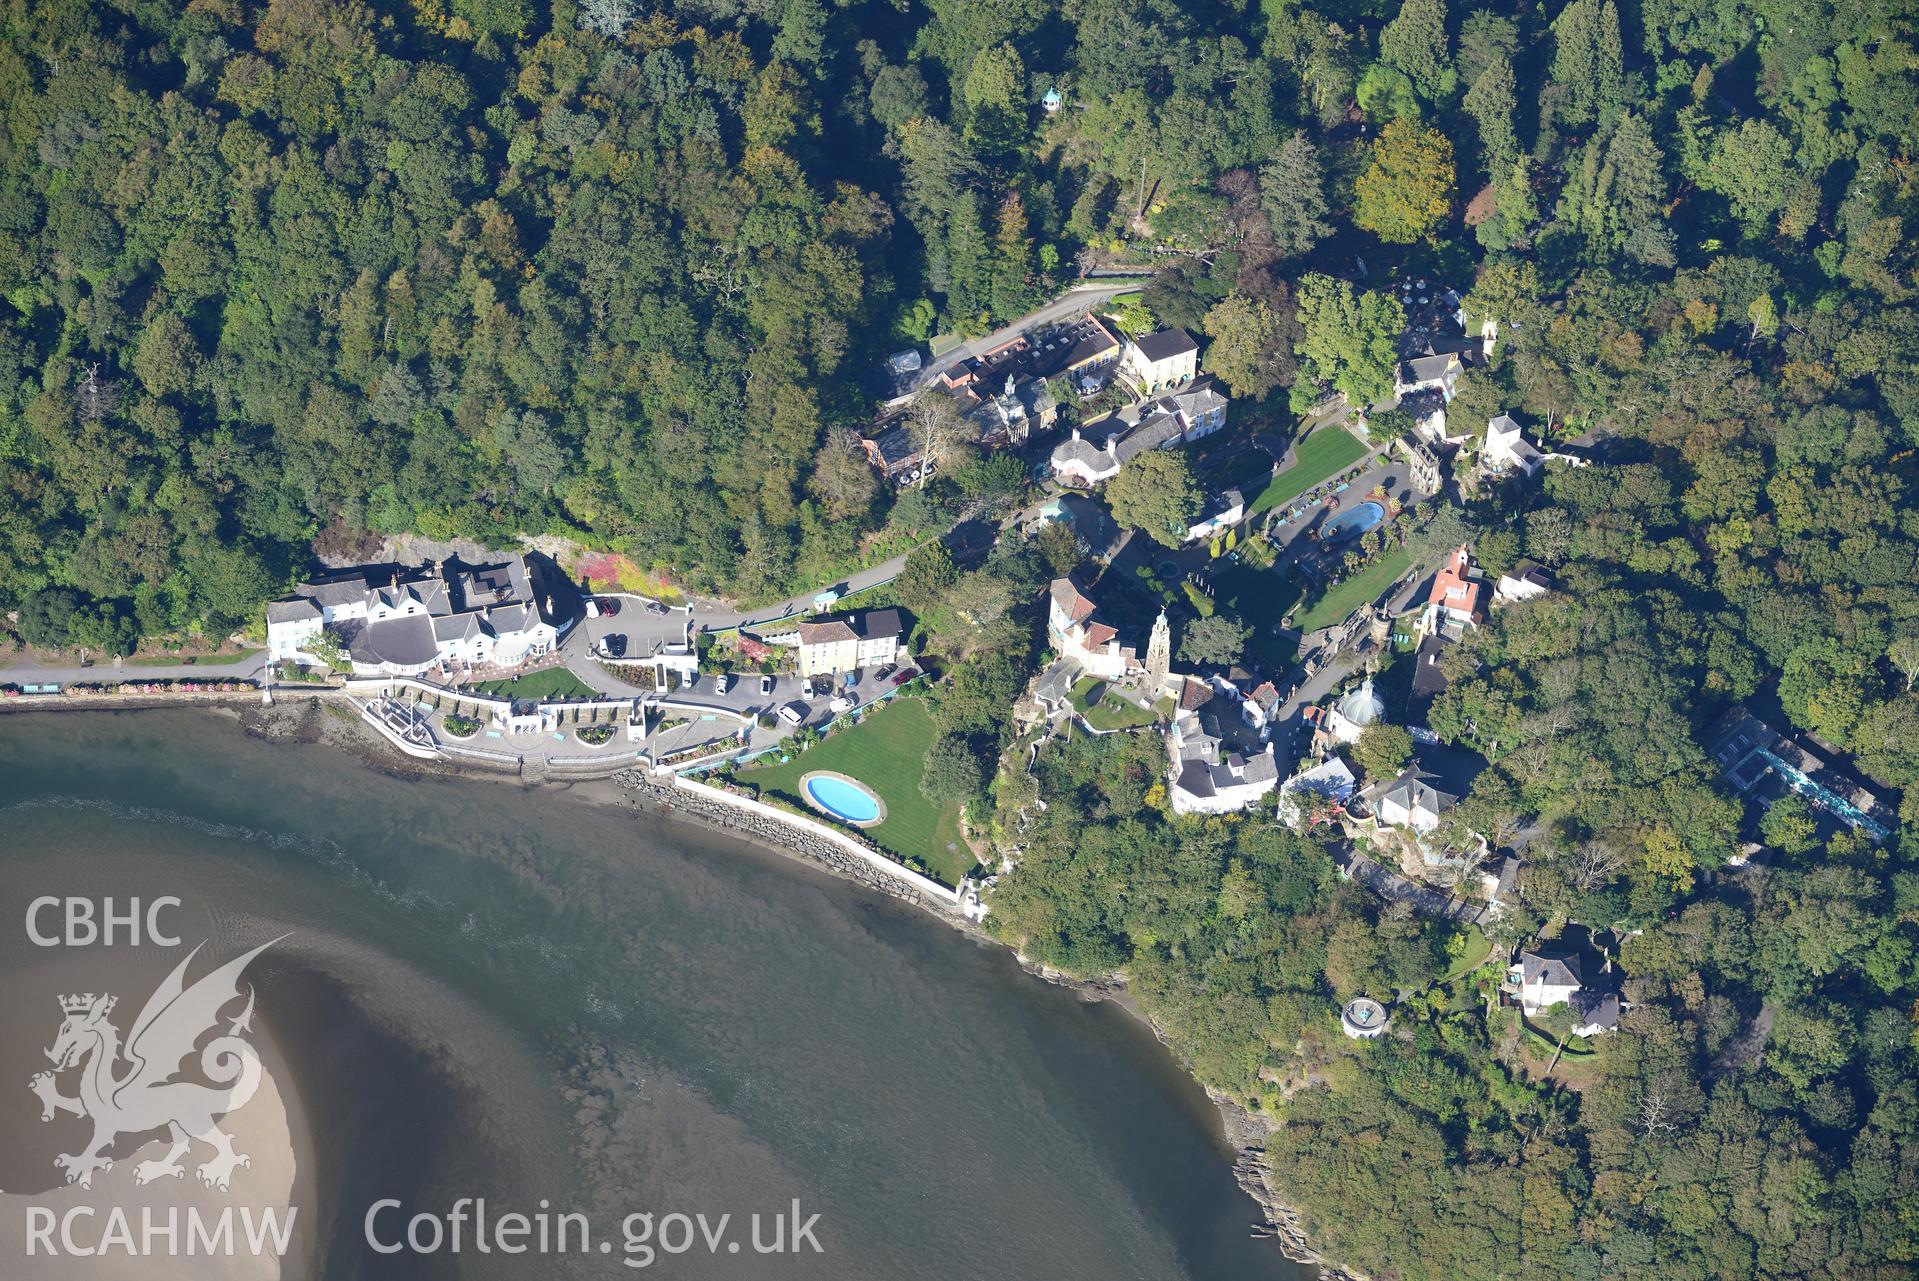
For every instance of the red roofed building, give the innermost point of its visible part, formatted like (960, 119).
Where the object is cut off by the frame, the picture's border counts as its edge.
(1089, 641)
(1456, 600)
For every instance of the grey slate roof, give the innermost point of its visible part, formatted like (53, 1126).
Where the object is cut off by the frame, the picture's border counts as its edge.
(1412, 791)
(837, 629)
(881, 622)
(507, 618)
(1199, 399)
(1600, 1009)
(1056, 683)
(1196, 777)
(1077, 449)
(342, 591)
(1555, 969)
(288, 611)
(1081, 451)
(403, 642)
(456, 627)
(895, 448)
(1150, 434)
(1427, 368)
(1507, 878)
(1165, 344)
(1526, 572)
(1429, 681)
(1094, 343)
(1261, 768)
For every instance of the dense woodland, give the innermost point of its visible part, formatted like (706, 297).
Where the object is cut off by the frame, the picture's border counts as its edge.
(291, 275)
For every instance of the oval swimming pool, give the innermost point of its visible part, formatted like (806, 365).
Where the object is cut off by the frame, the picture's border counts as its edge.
(1353, 522)
(844, 799)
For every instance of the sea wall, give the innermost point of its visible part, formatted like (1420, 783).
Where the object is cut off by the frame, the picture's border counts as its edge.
(145, 694)
(814, 841)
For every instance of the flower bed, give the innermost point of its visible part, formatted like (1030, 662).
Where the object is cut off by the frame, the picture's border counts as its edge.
(731, 743)
(459, 726)
(147, 687)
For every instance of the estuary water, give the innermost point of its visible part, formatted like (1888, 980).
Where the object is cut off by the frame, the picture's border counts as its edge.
(486, 991)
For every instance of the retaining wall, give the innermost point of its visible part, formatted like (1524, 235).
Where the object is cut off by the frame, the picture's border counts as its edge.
(838, 850)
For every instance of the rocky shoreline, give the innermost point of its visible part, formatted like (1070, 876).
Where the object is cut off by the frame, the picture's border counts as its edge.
(1245, 1130)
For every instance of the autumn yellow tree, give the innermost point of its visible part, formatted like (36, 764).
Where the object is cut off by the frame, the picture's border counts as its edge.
(1408, 189)
(1666, 857)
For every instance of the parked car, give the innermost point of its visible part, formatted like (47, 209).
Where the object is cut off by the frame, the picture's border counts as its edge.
(654, 607)
(844, 703)
(722, 682)
(607, 606)
(808, 690)
(613, 645)
(793, 713)
(884, 672)
(690, 681)
(852, 678)
(906, 676)
(766, 683)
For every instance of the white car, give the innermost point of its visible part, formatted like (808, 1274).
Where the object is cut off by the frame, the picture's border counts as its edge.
(690, 681)
(792, 713)
(844, 703)
(766, 683)
(807, 691)
(722, 682)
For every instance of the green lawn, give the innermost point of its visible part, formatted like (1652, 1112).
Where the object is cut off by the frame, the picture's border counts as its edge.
(1350, 594)
(1478, 948)
(1326, 452)
(1115, 712)
(886, 751)
(554, 682)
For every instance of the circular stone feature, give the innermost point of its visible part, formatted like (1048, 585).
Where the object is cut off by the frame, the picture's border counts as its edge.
(1353, 522)
(846, 799)
(1363, 1018)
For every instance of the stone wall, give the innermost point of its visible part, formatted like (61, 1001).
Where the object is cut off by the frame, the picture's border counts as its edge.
(100, 700)
(790, 832)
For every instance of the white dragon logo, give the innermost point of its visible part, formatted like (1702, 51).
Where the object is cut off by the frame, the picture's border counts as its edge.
(145, 1097)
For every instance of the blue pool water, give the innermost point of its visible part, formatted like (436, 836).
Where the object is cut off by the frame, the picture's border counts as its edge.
(843, 800)
(1353, 522)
